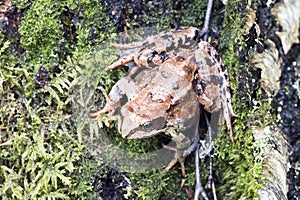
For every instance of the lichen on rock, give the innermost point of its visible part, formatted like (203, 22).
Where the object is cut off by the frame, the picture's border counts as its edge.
(287, 15)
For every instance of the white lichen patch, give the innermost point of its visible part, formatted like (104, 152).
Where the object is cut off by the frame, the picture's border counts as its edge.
(269, 62)
(250, 22)
(273, 149)
(287, 14)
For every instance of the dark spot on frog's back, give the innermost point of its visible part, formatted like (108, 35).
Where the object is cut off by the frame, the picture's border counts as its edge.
(150, 58)
(164, 56)
(196, 36)
(123, 99)
(200, 92)
(223, 68)
(216, 80)
(218, 58)
(209, 52)
(180, 59)
(130, 109)
(209, 62)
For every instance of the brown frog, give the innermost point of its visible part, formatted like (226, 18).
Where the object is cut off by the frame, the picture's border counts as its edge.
(172, 74)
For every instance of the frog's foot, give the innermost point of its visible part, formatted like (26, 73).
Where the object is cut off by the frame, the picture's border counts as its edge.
(174, 161)
(177, 158)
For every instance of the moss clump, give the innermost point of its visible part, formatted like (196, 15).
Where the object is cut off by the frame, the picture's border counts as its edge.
(41, 31)
(237, 167)
(50, 29)
(41, 151)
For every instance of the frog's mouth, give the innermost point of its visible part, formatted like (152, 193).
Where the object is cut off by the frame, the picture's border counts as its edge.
(145, 130)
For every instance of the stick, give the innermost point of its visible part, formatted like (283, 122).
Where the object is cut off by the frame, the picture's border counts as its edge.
(210, 177)
(199, 188)
(205, 28)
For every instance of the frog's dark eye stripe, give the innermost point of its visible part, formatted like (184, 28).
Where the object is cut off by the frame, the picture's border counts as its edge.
(196, 36)
(157, 124)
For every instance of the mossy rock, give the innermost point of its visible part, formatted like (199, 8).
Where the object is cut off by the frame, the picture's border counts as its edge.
(43, 154)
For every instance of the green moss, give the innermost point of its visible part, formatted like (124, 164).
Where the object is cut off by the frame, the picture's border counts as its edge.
(41, 149)
(45, 21)
(193, 14)
(239, 171)
(41, 30)
(167, 14)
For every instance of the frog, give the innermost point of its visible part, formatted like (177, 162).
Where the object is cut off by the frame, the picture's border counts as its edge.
(173, 75)
(154, 101)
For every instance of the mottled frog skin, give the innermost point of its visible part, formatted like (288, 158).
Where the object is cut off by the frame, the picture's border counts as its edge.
(173, 73)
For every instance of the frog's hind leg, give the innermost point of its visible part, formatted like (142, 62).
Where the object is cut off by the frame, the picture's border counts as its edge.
(133, 45)
(128, 61)
(227, 112)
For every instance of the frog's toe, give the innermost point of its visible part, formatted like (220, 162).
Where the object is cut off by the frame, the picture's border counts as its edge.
(122, 61)
(174, 161)
(181, 161)
(171, 164)
(106, 109)
(96, 114)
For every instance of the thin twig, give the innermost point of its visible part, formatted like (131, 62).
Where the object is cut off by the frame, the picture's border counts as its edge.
(210, 183)
(199, 188)
(204, 31)
(214, 191)
(210, 177)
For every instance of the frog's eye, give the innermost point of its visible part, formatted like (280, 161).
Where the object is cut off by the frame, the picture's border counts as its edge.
(156, 124)
(147, 125)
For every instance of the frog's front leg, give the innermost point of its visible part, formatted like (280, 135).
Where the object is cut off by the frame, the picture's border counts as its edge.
(215, 104)
(182, 143)
(123, 90)
(107, 109)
